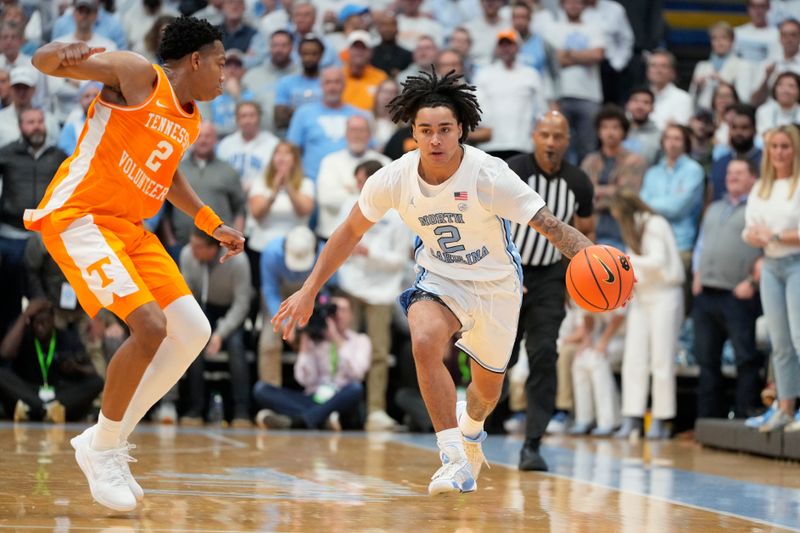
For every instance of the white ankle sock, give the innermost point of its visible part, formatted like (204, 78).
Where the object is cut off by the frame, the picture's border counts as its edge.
(188, 331)
(450, 438)
(469, 427)
(106, 434)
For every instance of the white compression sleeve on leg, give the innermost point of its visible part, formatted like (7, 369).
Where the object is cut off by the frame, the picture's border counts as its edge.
(188, 332)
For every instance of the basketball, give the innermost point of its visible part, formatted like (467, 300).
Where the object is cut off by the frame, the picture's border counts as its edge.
(600, 278)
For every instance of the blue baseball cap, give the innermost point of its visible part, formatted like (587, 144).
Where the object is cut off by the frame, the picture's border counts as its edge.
(351, 10)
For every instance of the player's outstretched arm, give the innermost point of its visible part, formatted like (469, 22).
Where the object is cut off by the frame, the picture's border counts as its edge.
(129, 74)
(297, 308)
(567, 239)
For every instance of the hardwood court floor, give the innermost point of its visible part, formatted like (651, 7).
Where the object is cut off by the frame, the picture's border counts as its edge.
(244, 480)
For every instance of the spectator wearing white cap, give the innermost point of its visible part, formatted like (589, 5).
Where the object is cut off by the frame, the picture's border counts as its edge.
(285, 264)
(361, 79)
(511, 96)
(336, 178)
(23, 87)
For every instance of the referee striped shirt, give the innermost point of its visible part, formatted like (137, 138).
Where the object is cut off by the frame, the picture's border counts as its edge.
(567, 192)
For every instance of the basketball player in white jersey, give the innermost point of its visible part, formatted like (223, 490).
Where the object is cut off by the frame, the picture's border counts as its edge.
(458, 200)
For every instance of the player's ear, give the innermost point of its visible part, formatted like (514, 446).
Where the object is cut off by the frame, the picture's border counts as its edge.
(195, 61)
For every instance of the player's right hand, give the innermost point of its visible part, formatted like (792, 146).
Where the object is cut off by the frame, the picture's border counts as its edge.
(295, 311)
(74, 53)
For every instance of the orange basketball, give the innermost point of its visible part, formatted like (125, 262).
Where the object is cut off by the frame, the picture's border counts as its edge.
(600, 278)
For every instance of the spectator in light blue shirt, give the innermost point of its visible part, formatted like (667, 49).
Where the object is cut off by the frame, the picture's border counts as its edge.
(294, 90)
(532, 52)
(286, 263)
(674, 188)
(319, 128)
(106, 25)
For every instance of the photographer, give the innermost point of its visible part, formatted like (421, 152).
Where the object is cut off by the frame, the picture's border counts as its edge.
(50, 377)
(331, 365)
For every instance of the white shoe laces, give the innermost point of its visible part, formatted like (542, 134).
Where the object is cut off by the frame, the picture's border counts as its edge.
(111, 469)
(124, 457)
(448, 470)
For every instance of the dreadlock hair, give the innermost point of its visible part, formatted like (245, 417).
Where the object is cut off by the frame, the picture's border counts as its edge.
(429, 90)
(185, 35)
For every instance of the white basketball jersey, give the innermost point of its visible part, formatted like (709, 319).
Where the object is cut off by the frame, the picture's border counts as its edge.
(457, 237)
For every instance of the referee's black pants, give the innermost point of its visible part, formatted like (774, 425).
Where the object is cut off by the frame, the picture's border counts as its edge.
(540, 319)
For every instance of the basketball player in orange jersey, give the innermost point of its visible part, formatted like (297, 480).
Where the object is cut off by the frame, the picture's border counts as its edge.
(124, 167)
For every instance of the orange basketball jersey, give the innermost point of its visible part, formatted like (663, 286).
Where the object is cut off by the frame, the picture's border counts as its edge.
(124, 160)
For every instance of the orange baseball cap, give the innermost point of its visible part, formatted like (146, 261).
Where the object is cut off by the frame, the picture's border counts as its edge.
(508, 35)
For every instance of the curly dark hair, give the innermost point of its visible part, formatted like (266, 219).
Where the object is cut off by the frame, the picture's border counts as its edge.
(429, 90)
(185, 35)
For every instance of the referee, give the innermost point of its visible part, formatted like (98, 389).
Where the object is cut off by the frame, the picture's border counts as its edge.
(568, 193)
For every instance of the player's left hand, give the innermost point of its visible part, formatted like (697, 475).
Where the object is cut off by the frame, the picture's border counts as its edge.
(231, 239)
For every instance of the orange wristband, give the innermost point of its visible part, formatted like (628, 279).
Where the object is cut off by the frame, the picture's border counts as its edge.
(207, 220)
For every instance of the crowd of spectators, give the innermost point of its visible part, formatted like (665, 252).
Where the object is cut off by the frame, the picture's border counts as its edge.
(678, 179)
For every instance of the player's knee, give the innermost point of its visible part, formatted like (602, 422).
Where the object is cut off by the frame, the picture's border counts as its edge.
(428, 345)
(149, 331)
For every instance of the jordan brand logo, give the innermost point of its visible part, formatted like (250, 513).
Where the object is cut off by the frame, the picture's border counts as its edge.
(610, 279)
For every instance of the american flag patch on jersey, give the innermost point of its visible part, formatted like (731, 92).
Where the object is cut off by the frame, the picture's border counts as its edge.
(461, 195)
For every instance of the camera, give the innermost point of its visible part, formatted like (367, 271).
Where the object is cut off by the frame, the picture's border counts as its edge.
(318, 323)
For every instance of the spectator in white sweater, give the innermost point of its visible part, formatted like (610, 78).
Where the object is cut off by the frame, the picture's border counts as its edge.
(784, 106)
(336, 178)
(654, 318)
(772, 219)
(372, 278)
(722, 65)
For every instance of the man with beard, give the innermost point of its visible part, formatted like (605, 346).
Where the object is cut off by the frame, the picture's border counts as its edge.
(302, 88)
(644, 137)
(742, 139)
(569, 194)
(263, 79)
(26, 167)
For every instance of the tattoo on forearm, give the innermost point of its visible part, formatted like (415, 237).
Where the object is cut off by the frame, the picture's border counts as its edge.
(567, 239)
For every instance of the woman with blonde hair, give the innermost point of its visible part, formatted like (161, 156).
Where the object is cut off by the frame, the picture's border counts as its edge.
(772, 219)
(655, 315)
(281, 200)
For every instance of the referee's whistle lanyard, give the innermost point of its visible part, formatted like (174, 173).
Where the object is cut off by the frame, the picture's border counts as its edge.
(45, 362)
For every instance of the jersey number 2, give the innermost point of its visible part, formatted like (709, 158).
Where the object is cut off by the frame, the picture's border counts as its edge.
(448, 235)
(163, 150)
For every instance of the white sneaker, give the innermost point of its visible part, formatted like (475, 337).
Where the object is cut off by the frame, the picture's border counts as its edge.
(473, 447)
(126, 458)
(104, 472)
(455, 475)
(380, 421)
(776, 422)
(795, 425)
(85, 439)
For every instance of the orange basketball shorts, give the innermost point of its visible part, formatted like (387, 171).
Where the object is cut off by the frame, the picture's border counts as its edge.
(112, 263)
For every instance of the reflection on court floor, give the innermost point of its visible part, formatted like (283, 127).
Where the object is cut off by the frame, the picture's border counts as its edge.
(249, 480)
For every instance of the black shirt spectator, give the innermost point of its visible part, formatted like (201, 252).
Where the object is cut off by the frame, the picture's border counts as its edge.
(389, 56)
